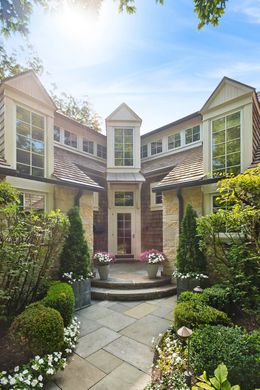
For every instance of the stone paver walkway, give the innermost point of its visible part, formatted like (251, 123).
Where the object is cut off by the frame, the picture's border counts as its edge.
(114, 351)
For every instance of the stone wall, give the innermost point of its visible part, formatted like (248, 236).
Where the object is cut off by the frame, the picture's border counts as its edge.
(171, 221)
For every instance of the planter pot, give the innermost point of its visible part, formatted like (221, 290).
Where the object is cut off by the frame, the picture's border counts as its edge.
(152, 270)
(82, 293)
(103, 271)
(186, 284)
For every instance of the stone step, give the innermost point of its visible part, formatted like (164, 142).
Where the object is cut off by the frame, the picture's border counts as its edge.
(132, 295)
(126, 260)
(121, 284)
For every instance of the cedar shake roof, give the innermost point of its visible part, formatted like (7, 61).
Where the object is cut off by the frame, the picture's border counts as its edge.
(67, 171)
(188, 168)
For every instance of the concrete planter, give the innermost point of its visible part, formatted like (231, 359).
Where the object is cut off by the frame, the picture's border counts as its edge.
(82, 293)
(186, 284)
(103, 271)
(152, 270)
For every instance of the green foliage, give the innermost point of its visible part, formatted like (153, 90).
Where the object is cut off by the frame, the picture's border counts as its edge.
(218, 296)
(234, 347)
(30, 244)
(218, 382)
(60, 296)
(8, 195)
(209, 12)
(38, 330)
(75, 256)
(189, 256)
(188, 296)
(195, 314)
(234, 255)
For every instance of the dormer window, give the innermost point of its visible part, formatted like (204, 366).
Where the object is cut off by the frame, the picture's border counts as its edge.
(174, 141)
(156, 147)
(70, 139)
(144, 151)
(88, 146)
(101, 151)
(123, 141)
(56, 134)
(192, 135)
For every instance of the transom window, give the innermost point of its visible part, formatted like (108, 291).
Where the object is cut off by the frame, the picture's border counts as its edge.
(226, 144)
(101, 151)
(56, 134)
(156, 147)
(192, 135)
(144, 151)
(124, 155)
(88, 146)
(29, 142)
(174, 141)
(32, 201)
(70, 139)
(124, 198)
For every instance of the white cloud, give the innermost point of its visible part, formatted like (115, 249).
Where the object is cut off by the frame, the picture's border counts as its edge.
(250, 8)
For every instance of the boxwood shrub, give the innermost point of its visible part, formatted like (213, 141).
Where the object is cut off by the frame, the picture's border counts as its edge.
(38, 330)
(60, 296)
(219, 297)
(194, 314)
(188, 296)
(234, 347)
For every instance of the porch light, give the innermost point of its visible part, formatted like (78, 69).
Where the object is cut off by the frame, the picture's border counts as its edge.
(185, 333)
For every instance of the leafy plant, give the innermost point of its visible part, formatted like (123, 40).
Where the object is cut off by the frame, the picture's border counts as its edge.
(189, 296)
(75, 256)
(218, 382)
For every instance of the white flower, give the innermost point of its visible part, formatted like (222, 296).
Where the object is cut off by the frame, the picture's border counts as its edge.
(34, 382)
(16, 369)
(35, 367)
(41, 361)
(4, 381)
(40, 378)
(50, 371)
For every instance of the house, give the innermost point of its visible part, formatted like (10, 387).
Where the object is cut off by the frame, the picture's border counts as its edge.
(131, 189)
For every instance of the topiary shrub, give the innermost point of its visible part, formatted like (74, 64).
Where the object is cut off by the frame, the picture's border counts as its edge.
(232, 346)
(75, 256)
(38, 330)
(194, 314)
(60, 296)
(219, 297)
(188, 296)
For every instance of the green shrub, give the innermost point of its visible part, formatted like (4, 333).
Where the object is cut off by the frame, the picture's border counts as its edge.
(218, 296)
(218, 382)
(232, 346)
(60, 296)
(38, 330)
(194, 314)
(188, 296)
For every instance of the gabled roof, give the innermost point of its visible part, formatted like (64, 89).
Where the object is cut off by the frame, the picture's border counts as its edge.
(119, 114)
(238, 87)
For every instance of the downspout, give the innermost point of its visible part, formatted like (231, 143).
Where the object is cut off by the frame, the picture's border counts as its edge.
(181, 203)
(77, 198)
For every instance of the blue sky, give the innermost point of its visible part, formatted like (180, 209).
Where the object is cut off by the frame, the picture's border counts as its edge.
(156, 60)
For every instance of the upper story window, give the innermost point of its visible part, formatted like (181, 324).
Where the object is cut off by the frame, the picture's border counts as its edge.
(32, 201)
(156, 147)
(174, 141)
(124, 198)
(30, 143)
(124, 154)
(56, 134)
(144, 151)
(226, 144)
(70, 139)
(192, 134)
(101, 151)
(155, 198)
(88, 146)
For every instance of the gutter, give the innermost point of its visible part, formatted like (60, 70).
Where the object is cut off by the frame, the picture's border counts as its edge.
(181, 207)
(192, 183)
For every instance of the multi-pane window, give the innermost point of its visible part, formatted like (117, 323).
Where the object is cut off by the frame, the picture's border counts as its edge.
(158, 198)
(124, 154)
(88, 146)
(144, 151)
(156, 147)
(101, 151)
(32, 201)
(56, 134)
(29, 142)
(70, 139)
(192, 134)
(226, 144)
(124, 198)
(174, 141)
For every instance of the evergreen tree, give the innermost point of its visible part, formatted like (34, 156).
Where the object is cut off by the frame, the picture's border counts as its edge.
(75, 256)
(189, 256)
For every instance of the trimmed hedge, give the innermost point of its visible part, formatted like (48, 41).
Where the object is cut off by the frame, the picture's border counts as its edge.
(234, 347)
(60, 296)
(189, 296)
(194, 314)
(38, 330)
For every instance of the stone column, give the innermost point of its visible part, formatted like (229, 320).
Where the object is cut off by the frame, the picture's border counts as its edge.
(86, 213)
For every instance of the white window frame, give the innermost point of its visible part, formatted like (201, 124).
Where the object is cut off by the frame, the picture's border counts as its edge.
(153, 205)
(192, 128)
(43, 195)
(73, 134)
(156, 142)
(173, 136)
(95, 201)
(124, 206)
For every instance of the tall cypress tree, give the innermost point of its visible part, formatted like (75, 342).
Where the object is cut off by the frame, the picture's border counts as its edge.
(75, 254)
(189, 256)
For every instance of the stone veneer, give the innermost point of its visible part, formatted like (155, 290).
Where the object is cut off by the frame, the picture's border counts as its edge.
(171, 221)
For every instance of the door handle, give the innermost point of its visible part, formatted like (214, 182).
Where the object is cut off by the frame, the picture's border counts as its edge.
(133, 235)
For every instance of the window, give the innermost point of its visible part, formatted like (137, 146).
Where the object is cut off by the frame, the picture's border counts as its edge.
(32, 201)
(124, 155)
(156, 147)
(174, 141)
(158, 198)
(155, 198)
(101, 151)
(124, 199)
(70, 139)
(29, 142)
(226, 144)
(192, 135)
(144, 151)
(56, 134)
(88, 146)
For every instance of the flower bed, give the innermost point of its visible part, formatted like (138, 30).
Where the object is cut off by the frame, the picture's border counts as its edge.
(39, 369)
